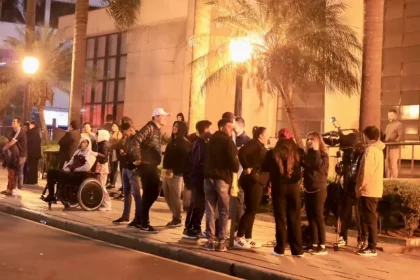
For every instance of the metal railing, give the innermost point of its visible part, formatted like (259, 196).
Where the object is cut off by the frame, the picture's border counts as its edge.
(400, 145)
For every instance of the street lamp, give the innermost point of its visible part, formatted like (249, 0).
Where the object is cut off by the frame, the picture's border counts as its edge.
(30, 66)
(240, 52)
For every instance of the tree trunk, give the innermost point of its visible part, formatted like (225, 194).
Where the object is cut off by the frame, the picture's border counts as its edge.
(29, 37)
(44, 128)
(238, 95)
(370, 100)
(290, 111)
(78, 60)
(197, 103)
(1, 8)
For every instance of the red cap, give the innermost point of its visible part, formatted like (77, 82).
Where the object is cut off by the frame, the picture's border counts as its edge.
(285, 133)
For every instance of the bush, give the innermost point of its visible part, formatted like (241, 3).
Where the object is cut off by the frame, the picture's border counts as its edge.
(402, 198)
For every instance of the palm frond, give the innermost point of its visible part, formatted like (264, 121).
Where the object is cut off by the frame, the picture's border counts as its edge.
(124, 12)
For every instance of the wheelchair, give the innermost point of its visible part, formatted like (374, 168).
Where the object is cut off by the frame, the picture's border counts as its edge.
(83, 190)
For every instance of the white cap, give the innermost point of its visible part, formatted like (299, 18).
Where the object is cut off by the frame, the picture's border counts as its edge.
(159, 112)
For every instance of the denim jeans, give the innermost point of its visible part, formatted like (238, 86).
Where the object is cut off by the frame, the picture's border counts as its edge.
(20, 172)
(217, 194)
(131, 186)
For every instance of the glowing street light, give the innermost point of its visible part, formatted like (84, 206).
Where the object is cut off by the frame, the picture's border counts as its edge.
(240, 50)
(30, 65)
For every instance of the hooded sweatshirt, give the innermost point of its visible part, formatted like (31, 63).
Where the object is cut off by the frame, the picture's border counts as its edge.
(370, 181)
(177, 151)
(103, 146)
(82, 161)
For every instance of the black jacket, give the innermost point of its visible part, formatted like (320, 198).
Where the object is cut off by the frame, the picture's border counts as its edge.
(242, 139)
(69, 144)
(149, 138)
(221, 160)
(34, 144)
(177, 151)
(122, 146)
(277, 179)
(251, 155)
(315, 170)
(198, 156)
(104, 149)
(132, 148)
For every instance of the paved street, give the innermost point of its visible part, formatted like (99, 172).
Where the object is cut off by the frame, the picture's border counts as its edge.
(34, 251)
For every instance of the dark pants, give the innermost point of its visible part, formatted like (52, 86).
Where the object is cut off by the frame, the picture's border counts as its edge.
(32, 173)
(368, 207)
(61, 178)
(197, 208)
(21, 170)
(239, 211)
(286, 208)
(150, 182)
(131, 187)
(253, 195)
(113, 175)
(347, 202)
(314, 204)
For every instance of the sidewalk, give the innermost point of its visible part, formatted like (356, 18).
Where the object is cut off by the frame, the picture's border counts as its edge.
(257, 264)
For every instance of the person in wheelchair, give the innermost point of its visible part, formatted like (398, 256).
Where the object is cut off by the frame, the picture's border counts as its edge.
(75, 171)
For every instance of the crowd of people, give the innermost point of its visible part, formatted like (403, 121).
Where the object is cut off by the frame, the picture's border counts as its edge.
(208, 164)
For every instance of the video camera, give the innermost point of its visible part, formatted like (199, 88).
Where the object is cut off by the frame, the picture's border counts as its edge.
(345, 139)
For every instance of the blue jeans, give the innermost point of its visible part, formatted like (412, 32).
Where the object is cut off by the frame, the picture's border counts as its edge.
(131, 187)
(217, 194)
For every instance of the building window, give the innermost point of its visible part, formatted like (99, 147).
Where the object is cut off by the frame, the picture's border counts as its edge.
(107, 55)
(309, 110)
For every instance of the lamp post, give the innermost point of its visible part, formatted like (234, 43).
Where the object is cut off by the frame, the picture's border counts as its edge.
(30, 66)
(240, 52)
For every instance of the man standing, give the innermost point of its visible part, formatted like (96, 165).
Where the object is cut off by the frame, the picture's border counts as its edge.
(241, 137)
(149, 138)
(369, 188)
(108, 123)
(129, 154)
(19, 138)
(196, 177)
(393, 133)
(220, 164)
(69, 143)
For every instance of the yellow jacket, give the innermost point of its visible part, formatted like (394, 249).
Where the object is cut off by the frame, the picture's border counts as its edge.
(370, 179)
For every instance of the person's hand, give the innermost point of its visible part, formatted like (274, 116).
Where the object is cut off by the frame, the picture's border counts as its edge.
(137, 162)
(248, 171)
(4, 149)
(315, 146)
(122, 152)
(168, 172)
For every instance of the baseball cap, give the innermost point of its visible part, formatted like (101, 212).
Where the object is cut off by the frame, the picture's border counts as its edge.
(285, 133)
(159, 112)
(228, 115)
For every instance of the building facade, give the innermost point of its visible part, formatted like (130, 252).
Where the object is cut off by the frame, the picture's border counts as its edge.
(157, 71)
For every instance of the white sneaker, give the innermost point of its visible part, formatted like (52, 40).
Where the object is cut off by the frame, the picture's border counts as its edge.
(241, 243)
(16, 192)
(253, 243)
(274, 253)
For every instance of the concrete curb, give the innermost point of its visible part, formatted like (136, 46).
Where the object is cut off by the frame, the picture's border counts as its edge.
(388, 243)
(203, 260)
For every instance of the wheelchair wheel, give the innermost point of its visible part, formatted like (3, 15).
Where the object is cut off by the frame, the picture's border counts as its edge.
(68, 196)
(90, 195)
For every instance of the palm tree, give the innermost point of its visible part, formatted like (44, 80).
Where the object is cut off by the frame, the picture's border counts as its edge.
(295, 42)
(49, 47)
(370, 99)
(124, 13)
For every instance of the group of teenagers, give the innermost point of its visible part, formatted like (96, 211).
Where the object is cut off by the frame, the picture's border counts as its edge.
(208, 163)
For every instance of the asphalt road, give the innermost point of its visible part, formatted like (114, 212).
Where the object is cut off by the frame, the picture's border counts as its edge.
(34, 251)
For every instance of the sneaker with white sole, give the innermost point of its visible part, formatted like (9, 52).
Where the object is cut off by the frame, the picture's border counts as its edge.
(320, 251)
(274, 253)
(16, 192)
(241, 243)
(340, 242)
(368, 252)
(253, 243)
(209, 246)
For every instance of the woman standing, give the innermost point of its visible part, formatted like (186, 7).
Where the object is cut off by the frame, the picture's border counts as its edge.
(283, 165)
(34, 153)
(253, 182)
(116, 136)
(315, 164)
